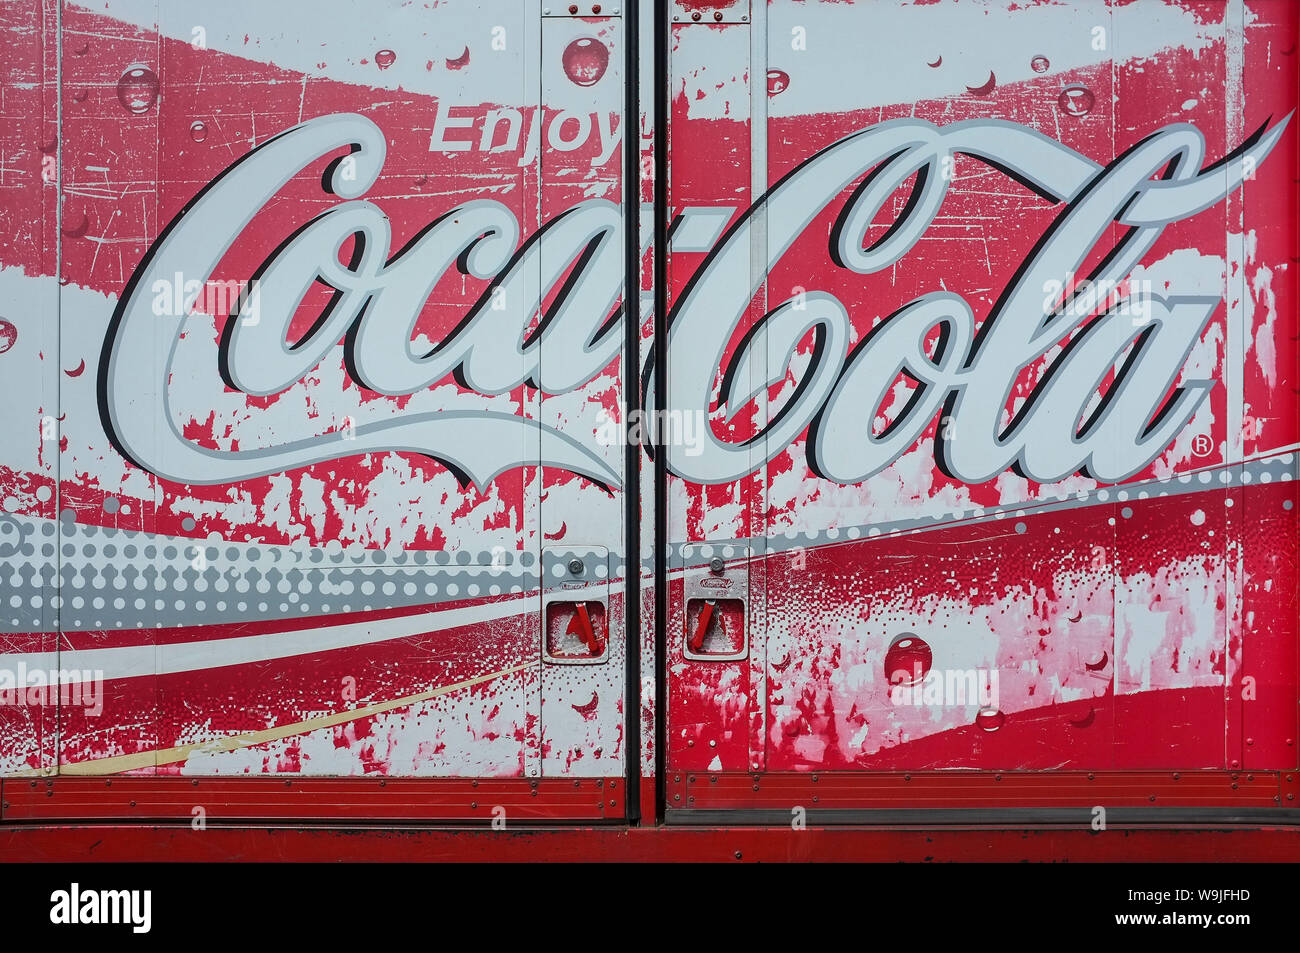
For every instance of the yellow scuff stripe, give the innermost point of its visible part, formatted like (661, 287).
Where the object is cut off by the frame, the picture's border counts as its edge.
(148, 759)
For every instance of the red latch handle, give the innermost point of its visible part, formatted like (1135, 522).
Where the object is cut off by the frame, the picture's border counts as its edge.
(580, 625)
(696, 641)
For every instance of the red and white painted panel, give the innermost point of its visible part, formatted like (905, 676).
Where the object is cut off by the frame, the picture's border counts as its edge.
(998, 461)
(981, 419)
(312, 379)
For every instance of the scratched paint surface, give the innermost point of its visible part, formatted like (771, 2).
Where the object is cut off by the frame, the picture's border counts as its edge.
(410, 596)
(1127, 630)
(379, 613)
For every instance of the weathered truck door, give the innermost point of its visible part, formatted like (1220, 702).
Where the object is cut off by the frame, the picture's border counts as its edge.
(335, 403)
(998, 468)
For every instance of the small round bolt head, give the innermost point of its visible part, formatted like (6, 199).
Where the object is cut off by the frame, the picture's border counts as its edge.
(575, 566)
(716, 565)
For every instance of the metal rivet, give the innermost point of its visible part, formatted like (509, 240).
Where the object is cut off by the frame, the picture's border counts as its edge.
(575, 566)
(473, 805)
(717, 15)
(713, 744)
(716, 565)
(573, 8)
(695, 15)
(677, 797)
(595, 8)
(1153, 797)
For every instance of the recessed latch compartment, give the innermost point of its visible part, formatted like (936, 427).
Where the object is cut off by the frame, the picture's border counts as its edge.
(716, 626)
(575, 605)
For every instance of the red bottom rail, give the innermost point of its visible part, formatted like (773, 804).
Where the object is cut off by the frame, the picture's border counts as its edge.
(391, 800)
(692, 797)
(132, 843)
(824, 792)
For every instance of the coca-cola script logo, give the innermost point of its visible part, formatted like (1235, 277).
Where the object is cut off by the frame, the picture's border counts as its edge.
(967, 375)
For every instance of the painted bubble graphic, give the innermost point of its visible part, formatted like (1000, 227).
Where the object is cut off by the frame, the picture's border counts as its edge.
(8, 335)
(585, 60)
(1076, 100)
(137, 90)
(908, 660)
